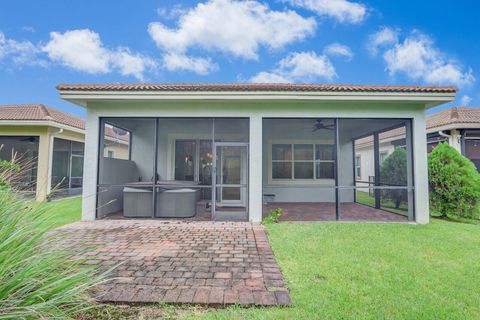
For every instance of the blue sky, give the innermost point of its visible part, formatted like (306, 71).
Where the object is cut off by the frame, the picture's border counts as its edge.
(43, 43)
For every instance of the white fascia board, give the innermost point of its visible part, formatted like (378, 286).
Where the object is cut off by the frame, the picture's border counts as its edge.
(452, 126)
(429, 99)
(40, 123)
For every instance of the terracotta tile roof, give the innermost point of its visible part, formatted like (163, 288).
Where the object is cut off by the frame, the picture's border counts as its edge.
(39, 112)
(382, 136)
(452, 116)
(254, 87)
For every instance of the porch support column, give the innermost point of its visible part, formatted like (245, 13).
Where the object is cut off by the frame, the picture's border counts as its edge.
(45, 146)
(255, 163)
(420, 169)
(455, 140)
(90, 164)
(376, 164)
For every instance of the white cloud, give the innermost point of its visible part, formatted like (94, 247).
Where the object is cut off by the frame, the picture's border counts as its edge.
(299, 67)
(466, 100)
(269, 77)
(174, 62)
(131, 64)
(342, 10)
(173, 13)
(82, 50)
(237, 28)
(28, 29)
(385, 36)
(337, 49)
(19, 52)
(417, 58)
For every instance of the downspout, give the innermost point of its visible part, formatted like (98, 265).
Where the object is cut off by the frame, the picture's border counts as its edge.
(453, 139)
(443, 134)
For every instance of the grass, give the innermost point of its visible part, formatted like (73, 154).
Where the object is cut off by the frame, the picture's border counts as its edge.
(373, 271)
(63, 211)
(364, 198)
(354, 271)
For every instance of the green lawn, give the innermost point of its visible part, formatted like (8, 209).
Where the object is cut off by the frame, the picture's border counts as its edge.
(364, 198)
(374, 271)
(63, 211)
(353, 271)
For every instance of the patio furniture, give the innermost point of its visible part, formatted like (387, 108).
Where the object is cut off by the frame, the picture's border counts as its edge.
(177, 203)
(137, 203)
(173, 199)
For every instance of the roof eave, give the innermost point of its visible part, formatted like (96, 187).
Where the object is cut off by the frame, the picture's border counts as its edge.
(429, 99)
(454, 125)
(41, 123)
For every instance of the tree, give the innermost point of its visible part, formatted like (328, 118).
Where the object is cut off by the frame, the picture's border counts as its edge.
(393, 172)
(454, 182)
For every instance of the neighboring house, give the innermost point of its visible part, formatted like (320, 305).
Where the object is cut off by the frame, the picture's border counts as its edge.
(51, 145)
(228, 151)
(459, 126)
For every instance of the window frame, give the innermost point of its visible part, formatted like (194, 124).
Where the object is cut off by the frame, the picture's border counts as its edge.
(196, 164)
(358, 166)
(313, 161)
(382, 156)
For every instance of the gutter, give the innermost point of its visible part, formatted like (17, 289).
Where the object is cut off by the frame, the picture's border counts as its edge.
(443, 134)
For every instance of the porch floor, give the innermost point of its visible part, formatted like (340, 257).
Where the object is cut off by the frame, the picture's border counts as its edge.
(325, 211)
(203, 214)
(292, 211)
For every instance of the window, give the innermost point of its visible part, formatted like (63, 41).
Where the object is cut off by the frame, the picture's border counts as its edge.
(193, 160)
(358, 167)
(116, 142)
(185, 157)
(303, 161)
(383, 156)
(472, 151)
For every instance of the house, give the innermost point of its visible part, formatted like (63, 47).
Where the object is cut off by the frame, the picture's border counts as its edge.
(459, 126)
(50, 145)
(237, 151)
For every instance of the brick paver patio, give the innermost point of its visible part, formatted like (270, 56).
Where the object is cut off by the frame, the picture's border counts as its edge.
(215, 263)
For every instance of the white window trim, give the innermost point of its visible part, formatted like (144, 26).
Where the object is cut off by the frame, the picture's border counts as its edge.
(385, 154)
(358, 166)
(293, 181)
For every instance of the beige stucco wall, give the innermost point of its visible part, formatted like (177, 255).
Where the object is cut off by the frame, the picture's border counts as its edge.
(120, 151)
(367, 159)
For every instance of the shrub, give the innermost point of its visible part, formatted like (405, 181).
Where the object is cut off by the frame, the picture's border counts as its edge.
(273, 217)
(37, 280)
(454, 182)
(393, 172)
(7, 167)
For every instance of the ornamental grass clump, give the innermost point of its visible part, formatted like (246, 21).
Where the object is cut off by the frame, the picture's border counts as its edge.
(38, 280)
(454, 183)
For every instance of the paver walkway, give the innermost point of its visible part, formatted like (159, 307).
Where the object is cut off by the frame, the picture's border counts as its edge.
(215, 263)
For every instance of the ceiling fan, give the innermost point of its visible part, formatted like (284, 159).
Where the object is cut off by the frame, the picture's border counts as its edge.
(319, 125)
